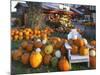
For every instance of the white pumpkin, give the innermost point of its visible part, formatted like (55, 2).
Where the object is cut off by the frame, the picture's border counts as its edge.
(38, 40)
(58, 53)
(92, 53)
(85, 41)
(44, 41)
(38, 50)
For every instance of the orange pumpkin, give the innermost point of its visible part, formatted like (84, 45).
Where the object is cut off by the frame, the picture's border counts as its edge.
(58, 45)
(74, 49)
(92, 62)
(93, 43)
(25, 58)
(55, 40)
(29, 47)
(84, 51)
(24, 44)
(38, 44)
(79, 42)
(17, 54)
(47, 59)
(35, 59)
(63, 64)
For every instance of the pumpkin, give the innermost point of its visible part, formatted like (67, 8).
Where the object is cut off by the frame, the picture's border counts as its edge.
(92, 53)
(58, 45)
(58, 53)
(25, 58)
(38, 40)
(47, 59)
(38, 44)
(20, 33)
(17, 54)
(24, 44)
(93, 43)
(84, 51)
(29, 47)
(78, 42)
(20, 37)
(85, 41)
(16, 37)
(54, 61)
(35, 59)
(27, 37)
(48, 49)
(38, 50)
(44, 41)
(92, 62)
(44, 36)
(63, 64)
(74, 49)
(55, 40)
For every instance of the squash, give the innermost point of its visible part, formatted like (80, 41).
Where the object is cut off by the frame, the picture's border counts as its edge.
(84, 51)
(63, 64)
(38, 44)
(29, 47)
(58, 45)
(92, 53)
(25, 58)
(17, 54)
(58, 53)
(93, 43)
(16, 37)
(74, 49)
(48, 49)
(54, 61)
(47, 59)
(24, 44)
(93, 62)
(35, 59)
(85, 41)
(38, 50)
(79, 42)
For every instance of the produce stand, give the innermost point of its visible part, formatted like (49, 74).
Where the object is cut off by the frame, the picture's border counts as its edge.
(45, 42)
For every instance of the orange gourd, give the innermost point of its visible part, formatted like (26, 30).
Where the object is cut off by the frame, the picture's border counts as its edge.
(25, 58)
(63, 64)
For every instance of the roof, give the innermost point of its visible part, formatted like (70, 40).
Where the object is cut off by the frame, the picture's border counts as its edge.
(55, 6)
(21, 5)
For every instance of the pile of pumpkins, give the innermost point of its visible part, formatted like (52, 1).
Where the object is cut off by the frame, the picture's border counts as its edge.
(79, 46)
(83, 48)
(29, 33)
(52, 51)
(93, 54)
(42, 52)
